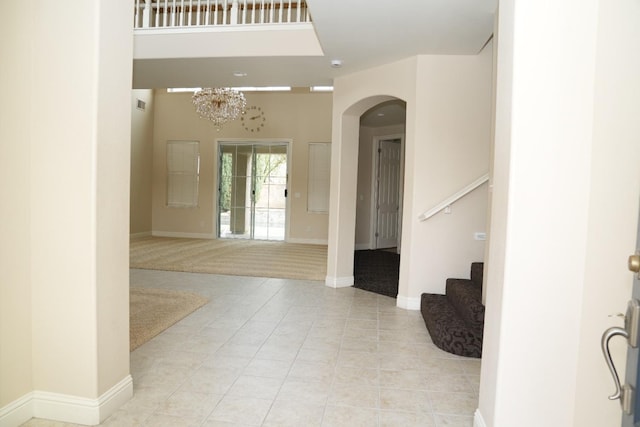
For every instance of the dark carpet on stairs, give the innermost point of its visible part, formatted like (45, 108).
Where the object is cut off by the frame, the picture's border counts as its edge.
(377, 271)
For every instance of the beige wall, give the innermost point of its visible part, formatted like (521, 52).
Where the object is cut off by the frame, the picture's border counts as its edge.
(451, 150)
(66, 286)
(141, 162)
(565, 211)
(297, 117)
(446, 147)
(15, 173)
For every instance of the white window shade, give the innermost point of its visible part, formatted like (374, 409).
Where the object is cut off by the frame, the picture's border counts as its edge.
(183, 169)
(319, 177)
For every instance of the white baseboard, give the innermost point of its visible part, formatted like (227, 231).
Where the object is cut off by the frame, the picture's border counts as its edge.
(308, 241)
(142, 234)
(183, 235)
(17, 412)
(408, 303)
(478, 421)
(338, 282)
(65, 408)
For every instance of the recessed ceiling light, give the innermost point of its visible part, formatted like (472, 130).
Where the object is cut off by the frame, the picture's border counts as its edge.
(263, 88)
(336, 63)
(380, 114)
(240, 74)
(182, 89)
(321, 88)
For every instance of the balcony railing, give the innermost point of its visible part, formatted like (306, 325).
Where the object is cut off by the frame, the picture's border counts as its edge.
(209, 13)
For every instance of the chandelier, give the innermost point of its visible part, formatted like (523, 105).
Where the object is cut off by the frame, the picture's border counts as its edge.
(220, 105)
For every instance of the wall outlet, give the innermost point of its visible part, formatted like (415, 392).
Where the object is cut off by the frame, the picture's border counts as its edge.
(480, 235)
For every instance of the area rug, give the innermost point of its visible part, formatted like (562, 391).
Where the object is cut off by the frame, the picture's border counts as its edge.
(377, 271)
(232, 257)
(151, 311)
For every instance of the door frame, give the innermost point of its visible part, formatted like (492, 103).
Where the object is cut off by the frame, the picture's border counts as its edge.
(251, 141)
(373, 222)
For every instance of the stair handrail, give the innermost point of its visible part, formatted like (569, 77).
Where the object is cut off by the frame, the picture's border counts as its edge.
(454, 198)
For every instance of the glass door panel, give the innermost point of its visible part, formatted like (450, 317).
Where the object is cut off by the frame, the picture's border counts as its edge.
(252, 193)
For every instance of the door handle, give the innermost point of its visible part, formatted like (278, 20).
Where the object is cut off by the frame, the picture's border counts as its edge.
(608, 334)
(630, 332)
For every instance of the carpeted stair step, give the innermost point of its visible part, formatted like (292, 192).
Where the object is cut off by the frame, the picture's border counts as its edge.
(466, 297)
(455, 320)
(447, 329)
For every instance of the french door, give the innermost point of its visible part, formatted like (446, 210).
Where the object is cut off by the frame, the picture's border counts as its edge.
(252, 190)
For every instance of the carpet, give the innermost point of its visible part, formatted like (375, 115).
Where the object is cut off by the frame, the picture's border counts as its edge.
(231, 257)
(377, 271)
(151, 311)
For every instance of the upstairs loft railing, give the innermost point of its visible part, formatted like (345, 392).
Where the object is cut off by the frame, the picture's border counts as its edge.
(454, 198)
(208, 13)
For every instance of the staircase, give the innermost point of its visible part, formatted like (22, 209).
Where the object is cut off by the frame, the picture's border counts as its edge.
(455, 321)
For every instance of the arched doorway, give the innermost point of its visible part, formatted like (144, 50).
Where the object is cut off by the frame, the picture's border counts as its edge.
(379, 198)
(345, 197)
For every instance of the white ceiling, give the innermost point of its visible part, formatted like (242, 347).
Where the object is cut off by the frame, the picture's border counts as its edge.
(360, 33)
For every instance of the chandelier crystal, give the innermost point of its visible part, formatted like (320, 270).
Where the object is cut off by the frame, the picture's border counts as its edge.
(220, 105)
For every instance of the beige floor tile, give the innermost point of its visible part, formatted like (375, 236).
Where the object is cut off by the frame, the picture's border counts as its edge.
(121, 417)
(189, 405)
(327, 355)
(453, 403)
(312, 371)
(308, 392)
(403, 379)
(258, 387)
(357, 375)
(242, 410)
(453, 421)
(341, 416)
(404, 400)
(354, 395)
(277, 352)
(292, 414)
(267, 368)
(358, 358)
(406, 419)
(449, 383)
(159, 420)
(359, 345)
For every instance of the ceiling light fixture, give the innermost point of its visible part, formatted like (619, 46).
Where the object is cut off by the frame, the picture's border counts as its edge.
(263, 88)
(321, 88)
(219, 105)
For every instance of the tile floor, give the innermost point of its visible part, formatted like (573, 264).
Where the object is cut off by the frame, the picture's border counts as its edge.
(276, 352)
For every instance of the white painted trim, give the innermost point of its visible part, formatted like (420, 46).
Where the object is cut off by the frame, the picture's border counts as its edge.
(183, 235)
(17, 412)
(66, 408)
(454, 197)
(478, 421)
(143, 234)
(339, 282)
(324, 242)
(408, 303)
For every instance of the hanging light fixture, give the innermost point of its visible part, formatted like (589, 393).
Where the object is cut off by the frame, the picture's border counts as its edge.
(220, 105)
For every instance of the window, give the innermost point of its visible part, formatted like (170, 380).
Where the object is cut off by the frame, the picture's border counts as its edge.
(319, 177)
(183, 170)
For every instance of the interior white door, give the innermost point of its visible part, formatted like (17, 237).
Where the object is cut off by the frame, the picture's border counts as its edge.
(388, 193)
(632, 417)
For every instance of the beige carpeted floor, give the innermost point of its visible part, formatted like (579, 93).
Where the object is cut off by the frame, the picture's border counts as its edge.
(232, 257)
(151, 311)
